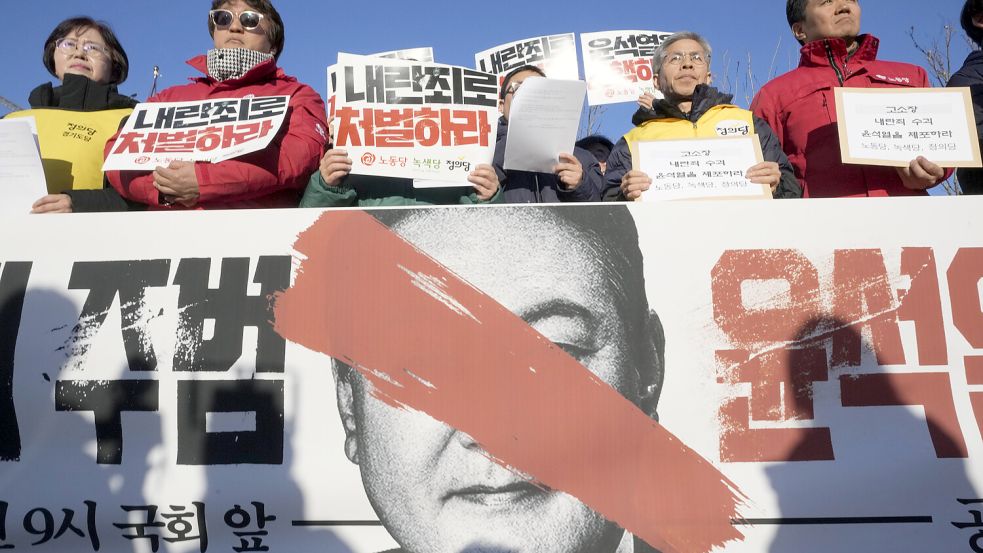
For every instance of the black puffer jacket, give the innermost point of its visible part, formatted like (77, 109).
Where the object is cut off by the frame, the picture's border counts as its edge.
(522, 187)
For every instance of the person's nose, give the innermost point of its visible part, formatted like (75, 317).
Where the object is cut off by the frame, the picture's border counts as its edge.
(687, 62)
(235, 26)
(844, 6)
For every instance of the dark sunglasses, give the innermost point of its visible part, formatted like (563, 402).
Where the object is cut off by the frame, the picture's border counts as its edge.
(248, 19)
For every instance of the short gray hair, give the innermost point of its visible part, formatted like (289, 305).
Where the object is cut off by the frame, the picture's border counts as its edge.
(660, 53)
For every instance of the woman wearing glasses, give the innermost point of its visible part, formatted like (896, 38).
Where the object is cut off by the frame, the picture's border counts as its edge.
(693, 109)
(248, 37)
(75, 118)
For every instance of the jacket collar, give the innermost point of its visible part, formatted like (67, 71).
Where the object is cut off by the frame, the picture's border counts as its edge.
(79, 93)
(816, 53)
(704, 98)
(264, 71)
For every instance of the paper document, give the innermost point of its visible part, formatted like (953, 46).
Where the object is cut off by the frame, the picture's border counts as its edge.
(543, 122)
(892, 126)
(699, 168)
(21, 172)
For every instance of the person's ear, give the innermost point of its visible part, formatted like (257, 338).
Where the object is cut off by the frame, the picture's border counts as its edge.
(978, 20)
(344, 389)
(501, 107)
(709, 78)
(651, 387)
(797, 30)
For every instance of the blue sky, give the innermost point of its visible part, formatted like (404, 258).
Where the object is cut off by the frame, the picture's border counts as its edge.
(168, 33)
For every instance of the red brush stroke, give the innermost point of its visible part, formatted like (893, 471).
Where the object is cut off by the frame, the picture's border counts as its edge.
(355, 301)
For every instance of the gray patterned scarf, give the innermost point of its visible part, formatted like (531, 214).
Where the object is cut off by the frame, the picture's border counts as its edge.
(232, 63)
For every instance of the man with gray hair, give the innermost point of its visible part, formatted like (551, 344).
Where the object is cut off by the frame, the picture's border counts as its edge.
(693, 109)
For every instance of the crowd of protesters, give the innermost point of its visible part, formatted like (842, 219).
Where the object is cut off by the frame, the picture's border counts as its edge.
(792, 115)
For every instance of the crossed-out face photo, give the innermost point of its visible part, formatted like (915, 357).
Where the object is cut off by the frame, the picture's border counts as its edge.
(573, 275)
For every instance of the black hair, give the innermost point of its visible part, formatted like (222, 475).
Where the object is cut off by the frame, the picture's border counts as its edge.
(971, 10)
(117, 56)
(276, 34)
(513, 73)
(588, 141)
(795, 11)
(609, 234)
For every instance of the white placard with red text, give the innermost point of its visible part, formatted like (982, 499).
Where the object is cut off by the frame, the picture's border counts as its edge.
(618, 65)
(208, 130)
(407, 119)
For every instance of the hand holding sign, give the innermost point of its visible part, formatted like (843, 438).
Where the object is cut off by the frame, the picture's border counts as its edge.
(920, 174)
(485, 181)
(178, 182)
(766, 172)
(335, 166)
(634, 183)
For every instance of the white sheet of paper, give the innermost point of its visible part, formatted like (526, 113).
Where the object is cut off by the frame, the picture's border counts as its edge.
(543, 122)
(892, 126)
(21, 171)
(699, 168)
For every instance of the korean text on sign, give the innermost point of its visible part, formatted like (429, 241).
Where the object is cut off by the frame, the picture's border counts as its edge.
(414, 120)
(701, 168)
(210, 130)
(618, 64)
(891, 127)
(556, 55)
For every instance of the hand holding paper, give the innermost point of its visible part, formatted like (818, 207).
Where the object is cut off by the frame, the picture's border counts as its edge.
(569, 171)
(634, 183)
(920, 174)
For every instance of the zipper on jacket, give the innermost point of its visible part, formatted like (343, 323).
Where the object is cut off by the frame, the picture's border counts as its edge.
(832, 62)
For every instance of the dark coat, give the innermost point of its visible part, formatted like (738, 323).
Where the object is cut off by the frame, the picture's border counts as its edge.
(971, 75)
(522, 187)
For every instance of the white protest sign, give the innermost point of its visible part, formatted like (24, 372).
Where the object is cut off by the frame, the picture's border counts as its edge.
(699, 168)
(556, 55)
(414, 120)
(208, 130)
(892, 126)
(618, 65)
(21, 172)
(543, 119)
(409, 54)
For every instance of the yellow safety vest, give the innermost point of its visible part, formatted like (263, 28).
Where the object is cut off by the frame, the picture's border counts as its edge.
(72, 144)
(722, 120)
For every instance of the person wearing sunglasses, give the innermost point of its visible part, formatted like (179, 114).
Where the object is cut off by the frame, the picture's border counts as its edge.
(576, 177)
(75, 117)
(248, 39)
(691, 108)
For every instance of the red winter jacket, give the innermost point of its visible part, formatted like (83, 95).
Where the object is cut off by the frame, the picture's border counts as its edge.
(273, 177)
(800, 108)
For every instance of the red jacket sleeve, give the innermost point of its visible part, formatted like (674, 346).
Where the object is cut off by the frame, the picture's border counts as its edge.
(137, 186)
(286, 164)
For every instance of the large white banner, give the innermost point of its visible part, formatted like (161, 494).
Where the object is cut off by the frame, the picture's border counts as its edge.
(815, 391)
